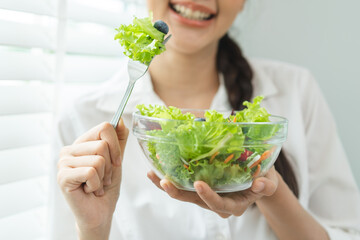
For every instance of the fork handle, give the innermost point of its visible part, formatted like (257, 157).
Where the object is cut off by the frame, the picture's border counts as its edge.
(115, 120)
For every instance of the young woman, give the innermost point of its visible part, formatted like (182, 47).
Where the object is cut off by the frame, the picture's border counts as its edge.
(309, 194)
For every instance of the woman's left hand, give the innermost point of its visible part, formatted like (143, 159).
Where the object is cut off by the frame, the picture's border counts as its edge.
(224, 204)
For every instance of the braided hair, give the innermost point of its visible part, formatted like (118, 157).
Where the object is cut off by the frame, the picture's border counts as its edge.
(238, 76)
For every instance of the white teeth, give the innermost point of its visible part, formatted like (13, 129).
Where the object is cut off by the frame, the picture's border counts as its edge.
(189, 13)
(182, 9)
(197, 14)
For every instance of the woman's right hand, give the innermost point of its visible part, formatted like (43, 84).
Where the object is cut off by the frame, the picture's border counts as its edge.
(89, 176)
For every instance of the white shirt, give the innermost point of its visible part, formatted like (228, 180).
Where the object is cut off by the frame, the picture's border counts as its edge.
(327, 189)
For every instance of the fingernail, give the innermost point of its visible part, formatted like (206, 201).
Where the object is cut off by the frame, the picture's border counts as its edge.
(165, 187)
(150, 175)
(259, 187)
(199, 189)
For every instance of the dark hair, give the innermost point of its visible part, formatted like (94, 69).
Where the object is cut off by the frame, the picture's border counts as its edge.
(238, 76)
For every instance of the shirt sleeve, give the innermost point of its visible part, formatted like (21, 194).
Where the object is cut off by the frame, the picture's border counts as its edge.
(334, 198)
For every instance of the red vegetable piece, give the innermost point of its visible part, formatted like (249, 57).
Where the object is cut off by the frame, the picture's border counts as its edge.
(245, 155)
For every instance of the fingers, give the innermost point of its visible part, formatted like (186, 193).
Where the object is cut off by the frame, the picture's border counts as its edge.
(263, 186)
(204, 196)
(224, 206)
(122, 133)
(93, 182)
(155, 179)
(71, 179)
(266, 186)
(112, 137)
(228, 203)
(185, 196)
(172, 191)
(235, 203)
(95, 161)
(98, 149)
(86, 167)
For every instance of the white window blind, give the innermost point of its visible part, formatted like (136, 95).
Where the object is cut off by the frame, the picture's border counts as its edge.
(27, 63)
(92, 55)
(46, 46)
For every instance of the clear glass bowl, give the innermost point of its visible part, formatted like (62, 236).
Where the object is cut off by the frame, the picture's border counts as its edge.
(225, 155)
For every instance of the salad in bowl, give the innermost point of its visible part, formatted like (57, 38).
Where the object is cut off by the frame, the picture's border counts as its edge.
(225, 149)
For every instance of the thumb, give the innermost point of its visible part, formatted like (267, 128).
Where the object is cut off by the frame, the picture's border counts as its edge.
(266, 185)
(122, 133)
(116, 176)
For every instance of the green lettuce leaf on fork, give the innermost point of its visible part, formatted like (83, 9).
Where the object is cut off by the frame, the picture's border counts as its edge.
(141, 40)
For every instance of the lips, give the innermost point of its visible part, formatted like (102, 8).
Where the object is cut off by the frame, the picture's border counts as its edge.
(192, 11)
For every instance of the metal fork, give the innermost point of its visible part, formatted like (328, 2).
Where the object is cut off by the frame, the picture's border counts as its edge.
(136, 70)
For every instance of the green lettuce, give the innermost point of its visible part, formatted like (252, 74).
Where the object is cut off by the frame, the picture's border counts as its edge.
(255, 113)
(141, 40)
(189, 150)
(164, 112)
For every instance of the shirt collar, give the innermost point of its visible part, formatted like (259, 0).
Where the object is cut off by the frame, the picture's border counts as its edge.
(263, 84)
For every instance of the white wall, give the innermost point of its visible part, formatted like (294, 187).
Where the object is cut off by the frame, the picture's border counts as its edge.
(322, 35)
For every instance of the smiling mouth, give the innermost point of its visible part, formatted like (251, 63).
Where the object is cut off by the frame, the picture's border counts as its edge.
(191, 14)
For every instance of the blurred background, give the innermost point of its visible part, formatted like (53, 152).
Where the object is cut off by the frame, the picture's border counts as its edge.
(53, 50)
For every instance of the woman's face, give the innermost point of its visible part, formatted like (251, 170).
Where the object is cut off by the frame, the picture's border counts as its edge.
(195, 24)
